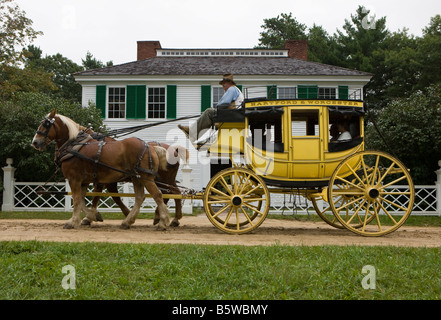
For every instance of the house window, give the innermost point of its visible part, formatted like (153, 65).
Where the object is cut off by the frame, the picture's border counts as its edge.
(218, 92)
(327, 93)
(156, 103)
(287, 92)
(117, 103)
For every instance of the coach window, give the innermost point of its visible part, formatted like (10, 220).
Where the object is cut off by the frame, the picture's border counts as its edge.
(305, 123)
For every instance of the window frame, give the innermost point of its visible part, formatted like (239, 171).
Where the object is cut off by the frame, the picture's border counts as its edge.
(109, 103)
(162, 104)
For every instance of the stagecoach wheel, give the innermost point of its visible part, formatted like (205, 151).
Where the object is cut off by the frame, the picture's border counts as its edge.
(373, 189)
(236, 200)
(325, 211)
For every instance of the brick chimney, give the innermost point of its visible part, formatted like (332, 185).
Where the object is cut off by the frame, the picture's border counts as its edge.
(147, 49)
(297, 49)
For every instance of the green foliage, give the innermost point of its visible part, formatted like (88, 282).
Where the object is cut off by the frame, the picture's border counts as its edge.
(15, 31)
(61, 70)
(412, 127)
(20, 118)
(278, 30)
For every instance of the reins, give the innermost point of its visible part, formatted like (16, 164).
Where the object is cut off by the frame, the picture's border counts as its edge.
(126, 131)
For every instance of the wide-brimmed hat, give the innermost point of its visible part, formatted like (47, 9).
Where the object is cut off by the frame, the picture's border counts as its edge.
(227, 78)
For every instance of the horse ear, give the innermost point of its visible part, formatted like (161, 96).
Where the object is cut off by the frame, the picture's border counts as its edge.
(52, 114)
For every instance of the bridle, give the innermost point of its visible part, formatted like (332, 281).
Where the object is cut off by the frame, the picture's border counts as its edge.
(47, 123)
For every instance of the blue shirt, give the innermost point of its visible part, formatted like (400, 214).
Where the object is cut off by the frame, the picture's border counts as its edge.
(229, 96)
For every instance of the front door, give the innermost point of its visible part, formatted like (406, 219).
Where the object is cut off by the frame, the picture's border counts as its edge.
(306, 142)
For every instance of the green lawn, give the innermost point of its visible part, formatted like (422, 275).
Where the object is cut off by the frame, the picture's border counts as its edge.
(33, 270)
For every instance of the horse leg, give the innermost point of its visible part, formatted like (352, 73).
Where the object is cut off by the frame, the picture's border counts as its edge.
(164, 217)
(156, 219)
(139, 199)
(77, 198)
(178, 213)
(92, 214)
(113, 188)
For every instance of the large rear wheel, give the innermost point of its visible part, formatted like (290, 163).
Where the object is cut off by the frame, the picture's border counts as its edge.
(371, 193)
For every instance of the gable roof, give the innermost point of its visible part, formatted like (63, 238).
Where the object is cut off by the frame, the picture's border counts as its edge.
(222, 65)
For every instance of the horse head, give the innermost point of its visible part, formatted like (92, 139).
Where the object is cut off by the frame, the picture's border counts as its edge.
(54, 127)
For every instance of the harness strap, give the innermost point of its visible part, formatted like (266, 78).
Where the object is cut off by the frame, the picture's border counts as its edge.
(97, 159)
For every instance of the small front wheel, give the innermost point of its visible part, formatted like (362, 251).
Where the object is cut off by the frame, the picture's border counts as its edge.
(236, 200)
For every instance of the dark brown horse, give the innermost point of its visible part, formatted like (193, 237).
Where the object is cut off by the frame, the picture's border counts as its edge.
(130, 158)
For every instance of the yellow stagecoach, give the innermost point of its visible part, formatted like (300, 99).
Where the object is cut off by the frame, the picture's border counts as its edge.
(285, 146)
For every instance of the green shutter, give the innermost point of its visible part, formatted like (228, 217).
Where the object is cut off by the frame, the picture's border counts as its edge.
(271, 92)
(100, 99)
(307, 92)
(136, 102)
(343, 92)
(205, 97)
(131, 102)
(171, 101)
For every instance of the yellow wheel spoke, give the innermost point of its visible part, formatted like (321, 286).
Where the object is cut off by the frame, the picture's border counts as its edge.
(254, 209)
(395, 181)
(246, 216)
(387, 212)
(393, 204)
(221, 210)
(220, 192)
(228, 216)
(225, 185)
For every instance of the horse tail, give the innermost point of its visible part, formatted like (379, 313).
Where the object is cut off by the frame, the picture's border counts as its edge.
(182, 153)
(162, 155)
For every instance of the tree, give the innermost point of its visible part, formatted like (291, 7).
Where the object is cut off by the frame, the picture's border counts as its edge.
(61, 70)
(279, 29)
(92, 63)
(412, 127)
(429, 51)
(360, 39)
(21, 116)
(15, 32)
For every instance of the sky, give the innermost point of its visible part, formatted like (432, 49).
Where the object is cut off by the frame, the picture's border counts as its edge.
(109, 29)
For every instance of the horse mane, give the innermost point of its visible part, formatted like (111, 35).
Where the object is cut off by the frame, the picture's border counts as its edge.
(72, 126)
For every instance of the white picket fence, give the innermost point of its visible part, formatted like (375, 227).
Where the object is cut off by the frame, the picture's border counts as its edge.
(23, 196)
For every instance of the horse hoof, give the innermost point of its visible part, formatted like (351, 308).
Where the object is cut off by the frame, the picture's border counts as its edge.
(155, 221)
(124, 226)
(174, 224)
(68, 226)
(161, 228)
(85, 222)
(99, 217)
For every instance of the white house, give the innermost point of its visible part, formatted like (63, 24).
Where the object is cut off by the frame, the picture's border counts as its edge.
(172, 83)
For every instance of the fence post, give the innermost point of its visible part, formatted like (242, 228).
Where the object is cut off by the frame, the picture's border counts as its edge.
(438, 189)
(8, 185)
(67, 198)
(187, 208)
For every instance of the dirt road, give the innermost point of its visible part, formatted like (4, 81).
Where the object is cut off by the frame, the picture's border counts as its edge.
(199, 230)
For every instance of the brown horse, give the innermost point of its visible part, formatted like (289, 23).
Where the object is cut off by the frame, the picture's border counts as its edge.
(130, 158)
(166, 180)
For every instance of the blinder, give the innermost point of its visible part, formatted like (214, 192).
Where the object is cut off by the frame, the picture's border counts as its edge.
(47, 124)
